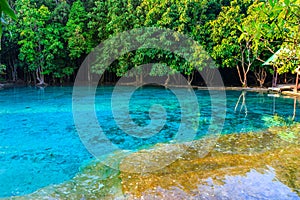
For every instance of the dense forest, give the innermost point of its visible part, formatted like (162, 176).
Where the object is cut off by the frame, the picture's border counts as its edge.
(49, 39)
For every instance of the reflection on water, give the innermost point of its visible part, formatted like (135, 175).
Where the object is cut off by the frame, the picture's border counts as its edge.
(252, 185)
(261, 133)
(243, 106)
(294, 110)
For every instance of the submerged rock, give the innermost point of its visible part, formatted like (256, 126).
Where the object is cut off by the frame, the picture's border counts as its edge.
(256, 165)
(233, 155)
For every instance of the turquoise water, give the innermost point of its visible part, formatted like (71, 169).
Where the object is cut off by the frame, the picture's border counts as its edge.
(39, 144)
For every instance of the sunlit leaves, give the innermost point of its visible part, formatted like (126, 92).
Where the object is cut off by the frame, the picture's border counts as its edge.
(75, 30)
(41, 42)
(275, 24)
(7, 10)
(187, 17)
(50, 32)
(233, 44)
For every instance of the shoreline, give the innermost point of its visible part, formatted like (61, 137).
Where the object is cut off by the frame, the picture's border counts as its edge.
(229, 88)
(290, 93)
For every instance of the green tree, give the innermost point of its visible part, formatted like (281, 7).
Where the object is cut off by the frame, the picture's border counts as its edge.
(60, 69)
(76, 34)
(276, 24)
(39, 41)
(231, 47)
(5, 9)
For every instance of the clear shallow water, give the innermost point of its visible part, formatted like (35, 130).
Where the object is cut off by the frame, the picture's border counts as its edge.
(39, 144)
(248, 186)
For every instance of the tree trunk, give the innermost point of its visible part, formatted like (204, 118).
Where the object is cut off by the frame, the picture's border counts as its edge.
(297, 83)
(34, 78)
(15, 73)
(190, 78)
(246, 63)
(167, 80)
(242, 77)
(261, 76)
(40, 77)
(275, 78)
(89, 71)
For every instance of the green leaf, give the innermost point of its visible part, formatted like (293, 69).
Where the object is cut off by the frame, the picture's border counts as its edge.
(0, 29)
(271, 3)
(240, 28)
(287, 2)
(4, 6)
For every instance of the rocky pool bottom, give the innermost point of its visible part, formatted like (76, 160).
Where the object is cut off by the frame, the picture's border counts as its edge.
(260, 165)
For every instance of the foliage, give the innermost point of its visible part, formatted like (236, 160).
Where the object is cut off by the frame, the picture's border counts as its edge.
(75, 35)
(233, 48)
(5, 9)
(39, 40)
(276, 24)
(51, 38)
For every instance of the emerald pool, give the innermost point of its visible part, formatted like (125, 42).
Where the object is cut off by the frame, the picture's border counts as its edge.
(39, 144)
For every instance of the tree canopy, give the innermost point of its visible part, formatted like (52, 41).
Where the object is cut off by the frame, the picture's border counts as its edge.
(48, 40)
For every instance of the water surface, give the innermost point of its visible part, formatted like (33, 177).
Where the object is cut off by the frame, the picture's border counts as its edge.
(39, 144)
